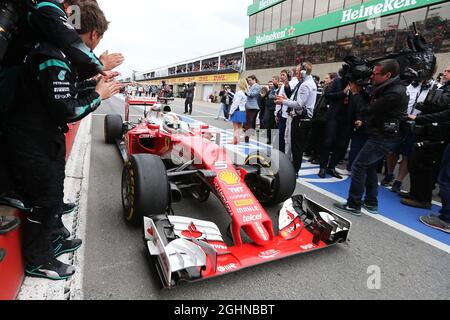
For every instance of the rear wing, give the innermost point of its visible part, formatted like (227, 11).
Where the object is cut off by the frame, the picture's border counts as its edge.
(138, 101)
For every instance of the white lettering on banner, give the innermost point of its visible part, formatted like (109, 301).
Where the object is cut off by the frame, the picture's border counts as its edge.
(252, 218)
(376, 9)
(247, 209)
(266, 3)
(272, 36)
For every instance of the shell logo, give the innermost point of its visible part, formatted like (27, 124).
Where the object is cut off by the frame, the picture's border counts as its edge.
(229, 177)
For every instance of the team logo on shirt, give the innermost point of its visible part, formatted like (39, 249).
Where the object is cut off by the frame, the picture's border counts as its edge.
(62, 75)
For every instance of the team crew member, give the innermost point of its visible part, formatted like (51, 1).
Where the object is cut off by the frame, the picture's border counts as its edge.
(302, 108)
(35, 134)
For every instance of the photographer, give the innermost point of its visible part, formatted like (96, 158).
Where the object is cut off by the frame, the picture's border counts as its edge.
(189, 95)
(36, 142)
(432, 140)
(226, 99)
(388, 108)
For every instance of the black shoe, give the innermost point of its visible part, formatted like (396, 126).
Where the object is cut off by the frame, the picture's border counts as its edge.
(345, 207)
(53, 270)
(405, 195)
(333, 173)
(417, 204)
(397, 187)
(66, 246)
(323, 173)
(388, 180)
(60, 234)
(8, 224)
(185, 113)
(69, 208)
(14, 201)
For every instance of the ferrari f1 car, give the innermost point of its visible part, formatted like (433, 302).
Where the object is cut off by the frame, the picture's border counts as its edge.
(166, 160)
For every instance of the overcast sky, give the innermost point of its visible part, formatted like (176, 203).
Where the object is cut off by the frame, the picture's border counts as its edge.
(152, 33)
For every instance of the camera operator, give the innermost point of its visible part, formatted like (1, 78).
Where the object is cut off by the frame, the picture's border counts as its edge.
(189, 95)
(301, 106)
(433, 134)
(388, 108)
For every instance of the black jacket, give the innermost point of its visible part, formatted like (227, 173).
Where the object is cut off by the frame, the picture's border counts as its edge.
(49, 96)
(438, 110)
(335, 95)
(389, 104)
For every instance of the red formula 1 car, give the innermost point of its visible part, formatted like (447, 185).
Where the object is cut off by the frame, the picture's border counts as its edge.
(166, 160)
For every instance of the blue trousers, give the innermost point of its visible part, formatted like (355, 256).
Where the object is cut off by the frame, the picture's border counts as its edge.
(444, 184)
(364, 170)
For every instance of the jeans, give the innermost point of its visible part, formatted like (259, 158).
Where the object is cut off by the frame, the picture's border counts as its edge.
(359, 139)
(444, 184)
(364, 170)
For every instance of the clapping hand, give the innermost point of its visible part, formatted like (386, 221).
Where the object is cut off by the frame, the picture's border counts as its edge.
(111, 61)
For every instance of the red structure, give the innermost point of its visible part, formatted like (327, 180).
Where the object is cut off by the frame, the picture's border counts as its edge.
(11, 262)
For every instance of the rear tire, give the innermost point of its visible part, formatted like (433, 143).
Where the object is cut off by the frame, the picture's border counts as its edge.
(113, 128)
(276, 166)
(145, 188)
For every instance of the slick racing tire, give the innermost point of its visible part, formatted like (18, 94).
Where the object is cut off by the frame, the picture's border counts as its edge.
(145, 188)
(113, 128)
(276, 168)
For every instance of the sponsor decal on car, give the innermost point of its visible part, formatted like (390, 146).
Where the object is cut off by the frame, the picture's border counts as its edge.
(252, 217)
(269, 254)
(236, 190)
(308, 246)
(240, 196)
(243, 203)
(223, 198)
(219, 246)
(192, 232)
(229, 177)
(244, 210)
(261, 231)
(221, 165)
(227, 268)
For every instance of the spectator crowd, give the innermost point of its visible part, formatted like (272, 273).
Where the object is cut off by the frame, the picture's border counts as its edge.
(338, 126)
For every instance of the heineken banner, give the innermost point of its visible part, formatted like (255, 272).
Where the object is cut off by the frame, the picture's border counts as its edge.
(366, 11)
(260, 5)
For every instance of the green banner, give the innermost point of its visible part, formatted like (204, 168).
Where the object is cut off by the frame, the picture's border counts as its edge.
(366, 11)
(261, 5)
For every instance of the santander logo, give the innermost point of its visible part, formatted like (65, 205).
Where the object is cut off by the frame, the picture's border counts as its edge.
(269, 254)
(192, 232)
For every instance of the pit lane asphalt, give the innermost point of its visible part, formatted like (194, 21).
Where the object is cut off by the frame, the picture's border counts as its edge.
(116, 266)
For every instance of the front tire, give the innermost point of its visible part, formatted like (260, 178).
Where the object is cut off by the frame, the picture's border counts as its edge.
(145, 188)
(277, 167)
(113, 128)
